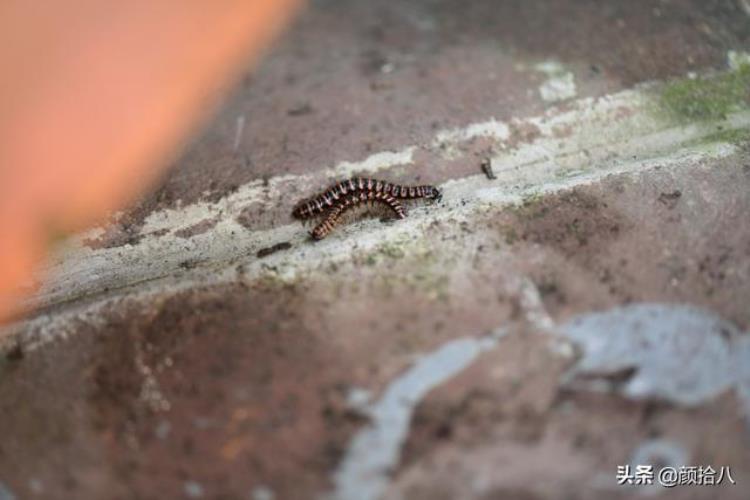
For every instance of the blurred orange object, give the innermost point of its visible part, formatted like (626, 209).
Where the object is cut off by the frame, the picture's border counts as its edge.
(96, 97)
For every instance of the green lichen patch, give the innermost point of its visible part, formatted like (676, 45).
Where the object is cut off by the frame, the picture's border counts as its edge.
(391, 250)
(707, 98)
(405, 265)
(732, 136)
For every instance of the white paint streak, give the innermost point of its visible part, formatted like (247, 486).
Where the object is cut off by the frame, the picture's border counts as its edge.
(374, 451)
(531, 303)
(560, 84)
(492, 128)
(681, 354)
(550, 67)
(558, 88)
(372, 164)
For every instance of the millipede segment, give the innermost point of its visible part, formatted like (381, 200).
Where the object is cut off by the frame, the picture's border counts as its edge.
(350, 201)
(331, 196)
(345, 195)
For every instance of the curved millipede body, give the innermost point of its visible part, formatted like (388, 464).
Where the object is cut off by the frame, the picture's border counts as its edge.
(347, 202)
(331, 196)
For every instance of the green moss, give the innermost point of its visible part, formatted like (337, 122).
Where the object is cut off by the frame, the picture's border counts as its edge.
(276, 277)
(734, 136)
(391, 250)
(707, 98)
(386, 250)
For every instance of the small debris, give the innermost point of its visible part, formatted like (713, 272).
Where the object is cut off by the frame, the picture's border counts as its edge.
(560, 84)
(487, 169)
(670, 199)
(265, 252)
(188, 264)
(674, 353)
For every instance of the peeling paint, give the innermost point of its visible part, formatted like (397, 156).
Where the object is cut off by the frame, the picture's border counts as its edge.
(374, 451)
(560, 84)
(550, 67)
(372, 164)
(531, 303)
(677, 353)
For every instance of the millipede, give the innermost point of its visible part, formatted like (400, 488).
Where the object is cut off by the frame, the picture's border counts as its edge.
(350, 201)
(331, 196)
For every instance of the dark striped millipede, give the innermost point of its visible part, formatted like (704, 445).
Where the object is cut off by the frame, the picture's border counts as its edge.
(330, 197)
(350, 201)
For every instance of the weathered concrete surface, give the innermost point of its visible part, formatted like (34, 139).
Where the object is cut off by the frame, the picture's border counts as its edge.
(358, 77)
(202, 346)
